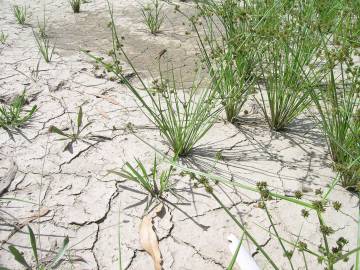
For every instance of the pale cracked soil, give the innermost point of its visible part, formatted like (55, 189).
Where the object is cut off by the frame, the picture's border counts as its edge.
(80, 200)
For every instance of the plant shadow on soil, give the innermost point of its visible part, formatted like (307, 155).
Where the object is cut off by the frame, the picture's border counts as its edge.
(250, 151)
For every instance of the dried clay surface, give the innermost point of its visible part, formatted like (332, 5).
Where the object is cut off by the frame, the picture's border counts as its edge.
(77, 196)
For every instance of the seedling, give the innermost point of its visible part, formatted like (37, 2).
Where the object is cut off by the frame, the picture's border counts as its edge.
(44, 46)
(39, 265)
(20, 13)
(14, 115)
(154, 183)
(76, 133)
(153, 18)
(3, 38)
(34, 72)
(75, 5)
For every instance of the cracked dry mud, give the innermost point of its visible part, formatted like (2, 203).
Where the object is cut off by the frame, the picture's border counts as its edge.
(80, 200)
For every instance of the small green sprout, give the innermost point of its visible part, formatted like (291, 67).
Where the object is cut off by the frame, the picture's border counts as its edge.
(14, 115)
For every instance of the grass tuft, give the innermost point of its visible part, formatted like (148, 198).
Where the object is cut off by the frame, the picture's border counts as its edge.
(20, 13)
(3, 38)
(14, 115)
(75, 5)
(288, 77)
(42, 26)
(338, 104)
(183, 115)
(153, 182)
(44, 46)
(152, 16)
(229, 52)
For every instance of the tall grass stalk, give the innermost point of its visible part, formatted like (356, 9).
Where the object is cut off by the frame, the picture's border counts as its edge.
(286, 253)
(245, 231)
(236, 253)
(42, 26)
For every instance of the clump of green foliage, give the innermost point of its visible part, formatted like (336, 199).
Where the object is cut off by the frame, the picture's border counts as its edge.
(75, 5)
(153, 17)
(338, 104)
(287, 75)
(3, 37)
(20, 13)
(42, 40)
(14, 115)
(229, 52)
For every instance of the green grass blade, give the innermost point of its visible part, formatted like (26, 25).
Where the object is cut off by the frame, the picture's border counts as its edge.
(18, 256)
(61, 252)
(246, 232)
(79, 118)
(234, 257)
(33, 245)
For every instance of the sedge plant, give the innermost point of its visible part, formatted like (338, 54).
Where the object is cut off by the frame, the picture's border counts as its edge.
(182, 115)
(288, 76)
(153, 17)
(328, 13)
(228, 49)
(329, 253)
(234, 82)
(338, 105)
(233, 40)
(348, 27)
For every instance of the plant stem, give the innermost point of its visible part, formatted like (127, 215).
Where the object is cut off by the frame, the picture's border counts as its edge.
(242, 227)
